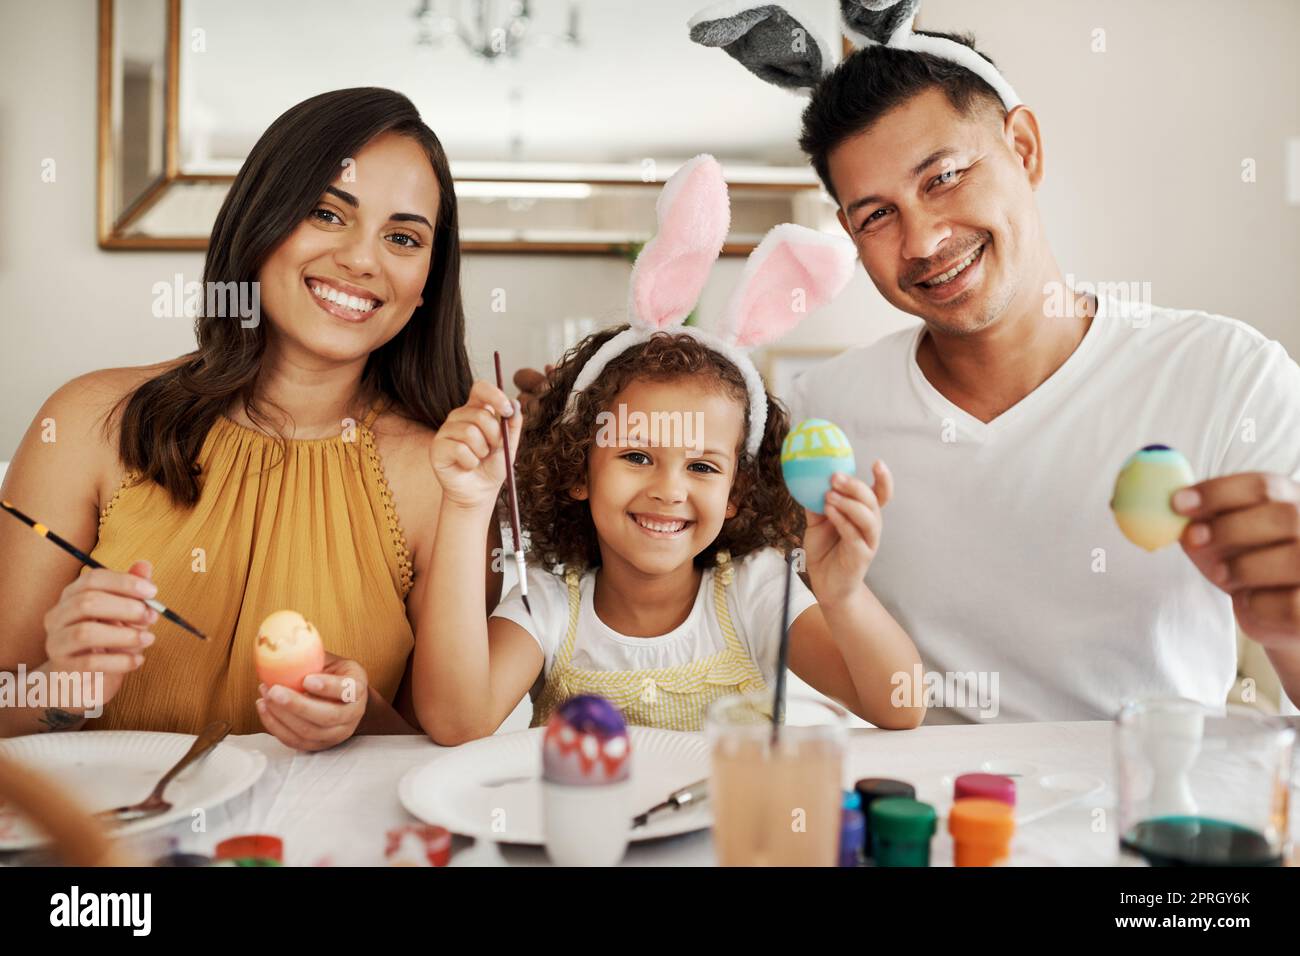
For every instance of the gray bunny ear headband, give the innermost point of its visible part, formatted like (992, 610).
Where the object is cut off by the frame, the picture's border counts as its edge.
(773, 42)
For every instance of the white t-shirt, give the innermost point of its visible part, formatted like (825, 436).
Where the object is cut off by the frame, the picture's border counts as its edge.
(1000, 553)
(753, 599)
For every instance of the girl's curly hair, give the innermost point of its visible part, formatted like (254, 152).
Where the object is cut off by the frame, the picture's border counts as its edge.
(554, 452)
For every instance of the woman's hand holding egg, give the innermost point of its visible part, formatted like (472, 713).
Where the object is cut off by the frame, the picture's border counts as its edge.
(466, 452)
(327, 710)
(310, 699)
(840, 544)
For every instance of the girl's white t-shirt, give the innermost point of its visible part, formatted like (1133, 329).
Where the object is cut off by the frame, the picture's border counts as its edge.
(753, 600)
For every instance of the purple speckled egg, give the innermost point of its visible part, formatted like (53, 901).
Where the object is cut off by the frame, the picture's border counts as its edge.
(586, 743)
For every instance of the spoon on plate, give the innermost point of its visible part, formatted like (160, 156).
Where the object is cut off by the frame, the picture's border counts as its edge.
(154, 804)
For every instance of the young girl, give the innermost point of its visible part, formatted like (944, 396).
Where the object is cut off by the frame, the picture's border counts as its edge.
(650, 475)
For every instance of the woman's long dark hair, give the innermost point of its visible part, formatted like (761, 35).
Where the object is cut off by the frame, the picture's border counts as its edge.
(423, 372)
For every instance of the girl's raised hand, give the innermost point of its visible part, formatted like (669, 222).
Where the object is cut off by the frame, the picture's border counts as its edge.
(840, 545)
(466, 452)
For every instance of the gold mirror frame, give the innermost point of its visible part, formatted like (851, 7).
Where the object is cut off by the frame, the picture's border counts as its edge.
(114, 228)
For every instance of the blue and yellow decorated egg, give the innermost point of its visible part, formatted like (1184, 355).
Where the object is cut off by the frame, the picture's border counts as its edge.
(1142, 492)
(814, 451)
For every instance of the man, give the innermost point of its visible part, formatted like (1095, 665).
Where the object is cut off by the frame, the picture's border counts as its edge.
(1007, 414)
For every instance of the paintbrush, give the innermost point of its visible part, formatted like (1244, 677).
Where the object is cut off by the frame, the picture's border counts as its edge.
(512, 497)
(783, 653)
(87, 560)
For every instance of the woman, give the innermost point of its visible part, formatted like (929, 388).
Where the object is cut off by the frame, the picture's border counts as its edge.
(276, 466)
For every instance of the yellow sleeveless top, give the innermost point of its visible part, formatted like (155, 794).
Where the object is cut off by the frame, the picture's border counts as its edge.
(670, 698)
(315, 531)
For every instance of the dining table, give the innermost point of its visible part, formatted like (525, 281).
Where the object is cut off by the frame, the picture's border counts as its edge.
(335, 807)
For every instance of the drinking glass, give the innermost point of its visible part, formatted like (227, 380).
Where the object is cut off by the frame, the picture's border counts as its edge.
(1202, 786)
(776, 802)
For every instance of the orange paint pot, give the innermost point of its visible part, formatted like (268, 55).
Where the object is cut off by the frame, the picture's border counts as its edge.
(981, 831)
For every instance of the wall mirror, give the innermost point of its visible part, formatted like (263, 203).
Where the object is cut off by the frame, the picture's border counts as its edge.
(562, 118)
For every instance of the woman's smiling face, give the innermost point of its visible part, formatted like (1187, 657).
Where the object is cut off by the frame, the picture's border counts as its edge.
(349, 276)
(659, 488)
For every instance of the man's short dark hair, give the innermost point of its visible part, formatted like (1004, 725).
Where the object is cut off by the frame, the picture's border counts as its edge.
(872, 81)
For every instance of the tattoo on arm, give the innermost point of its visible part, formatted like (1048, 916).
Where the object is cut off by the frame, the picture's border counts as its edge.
(54, 719)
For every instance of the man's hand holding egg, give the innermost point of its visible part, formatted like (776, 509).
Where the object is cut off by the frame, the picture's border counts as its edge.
(1241, 531)
(1244, 536)
(311, 699)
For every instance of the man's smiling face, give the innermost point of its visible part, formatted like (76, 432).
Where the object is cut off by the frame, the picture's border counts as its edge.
(940, 206)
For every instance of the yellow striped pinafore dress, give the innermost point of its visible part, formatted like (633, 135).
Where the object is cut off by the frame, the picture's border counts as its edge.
(671, 698)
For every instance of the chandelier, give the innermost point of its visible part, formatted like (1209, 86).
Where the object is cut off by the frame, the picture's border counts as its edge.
(489, 29)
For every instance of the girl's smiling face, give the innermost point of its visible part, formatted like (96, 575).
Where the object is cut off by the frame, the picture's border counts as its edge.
(661, 471)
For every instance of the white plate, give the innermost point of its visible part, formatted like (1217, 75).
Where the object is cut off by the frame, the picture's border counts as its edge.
(103, 769)
(498, 780)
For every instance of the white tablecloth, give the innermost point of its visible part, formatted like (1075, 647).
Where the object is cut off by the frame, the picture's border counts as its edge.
(335, 807)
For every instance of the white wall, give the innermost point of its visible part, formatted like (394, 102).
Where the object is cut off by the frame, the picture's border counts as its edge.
(1144, 146)
(1145, 141)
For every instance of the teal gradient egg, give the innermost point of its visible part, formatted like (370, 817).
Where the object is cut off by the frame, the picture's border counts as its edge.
(1140, 502)
(815, 450)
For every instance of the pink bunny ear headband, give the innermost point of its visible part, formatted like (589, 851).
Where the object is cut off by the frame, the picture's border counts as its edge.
(793, 271)
(771, 39)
